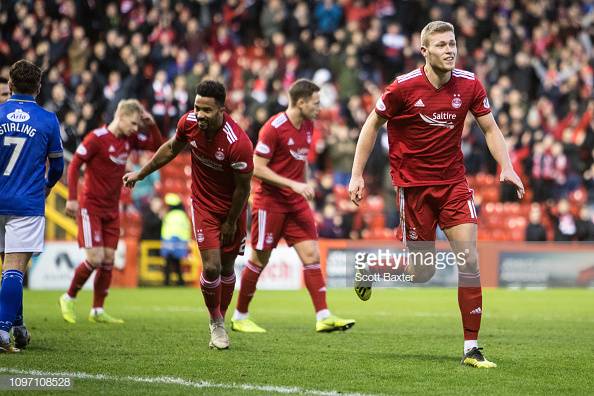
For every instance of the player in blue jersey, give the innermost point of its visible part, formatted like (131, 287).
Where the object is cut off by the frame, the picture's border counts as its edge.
(29, 136)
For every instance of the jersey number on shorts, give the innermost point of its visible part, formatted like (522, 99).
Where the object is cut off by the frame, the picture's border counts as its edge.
(18, 142)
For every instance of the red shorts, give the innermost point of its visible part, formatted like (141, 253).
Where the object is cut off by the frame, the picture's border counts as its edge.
(98, 230)
(207, 230)
(269, 227)
(427, 206)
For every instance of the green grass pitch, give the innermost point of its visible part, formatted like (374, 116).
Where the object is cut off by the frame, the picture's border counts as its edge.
(405, 342)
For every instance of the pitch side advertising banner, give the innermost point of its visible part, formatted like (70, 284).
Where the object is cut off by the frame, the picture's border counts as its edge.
(546, 269)
(54, 268)
(283, 272)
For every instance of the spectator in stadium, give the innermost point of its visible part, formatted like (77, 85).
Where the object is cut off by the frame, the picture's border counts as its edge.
(564, 223)
(152, 220)
(340, 151)
(144, 189)
(4, 90)
(584, 225)
(535, 231)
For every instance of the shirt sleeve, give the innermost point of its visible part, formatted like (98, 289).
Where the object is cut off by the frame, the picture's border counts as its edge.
(54, 146)
(85, 151)
(390, 103)
(267, 139)
(88, 148)
(181, 134)
(480, 102)
(241, 156)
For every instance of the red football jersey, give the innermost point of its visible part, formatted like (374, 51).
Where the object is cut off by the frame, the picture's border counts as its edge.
(215, 161)
(425, 126)
(287, 148)
(105, 156)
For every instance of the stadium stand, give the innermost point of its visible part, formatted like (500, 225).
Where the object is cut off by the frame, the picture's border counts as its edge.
(534, 57)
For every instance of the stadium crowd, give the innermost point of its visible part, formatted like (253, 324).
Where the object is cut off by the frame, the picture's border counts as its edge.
(534, 57)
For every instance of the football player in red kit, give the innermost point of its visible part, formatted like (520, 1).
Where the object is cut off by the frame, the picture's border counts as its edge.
(425, 111)
(105, 152)
(222, 167)
(281, 208)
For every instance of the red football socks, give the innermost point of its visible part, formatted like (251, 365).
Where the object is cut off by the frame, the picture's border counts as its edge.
(314, 281)
(470, 300)
(249, 279)
(211, 290)
(81, 275)
(101, 285)
(227, 288)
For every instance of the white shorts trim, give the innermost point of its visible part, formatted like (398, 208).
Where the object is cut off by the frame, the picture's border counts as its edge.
(86, 228)
(22, 234)
(261, 229)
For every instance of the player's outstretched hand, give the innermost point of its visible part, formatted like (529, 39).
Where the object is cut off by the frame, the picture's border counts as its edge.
(227, 232)
(356, 186)
(304, 189)
(71, 208)
(130, 179)
(510, 176)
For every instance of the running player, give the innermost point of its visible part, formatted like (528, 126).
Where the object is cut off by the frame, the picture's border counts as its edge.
(425, 110)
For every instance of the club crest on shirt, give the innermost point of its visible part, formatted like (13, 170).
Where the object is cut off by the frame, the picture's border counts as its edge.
(220, 155)
(200, 236)
(308, 137)
(456, 102)
(412, 234)
(269, 238)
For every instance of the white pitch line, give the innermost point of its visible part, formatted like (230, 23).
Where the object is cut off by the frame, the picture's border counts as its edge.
(180, 381)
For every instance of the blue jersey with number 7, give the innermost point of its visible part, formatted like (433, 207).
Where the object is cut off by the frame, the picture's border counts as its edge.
(29, 135)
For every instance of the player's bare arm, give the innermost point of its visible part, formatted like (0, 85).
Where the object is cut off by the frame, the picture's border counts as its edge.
(168, 151)
(498, 149)
(262, 171)
(365, 144)
(238, 202)
(72, 205)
